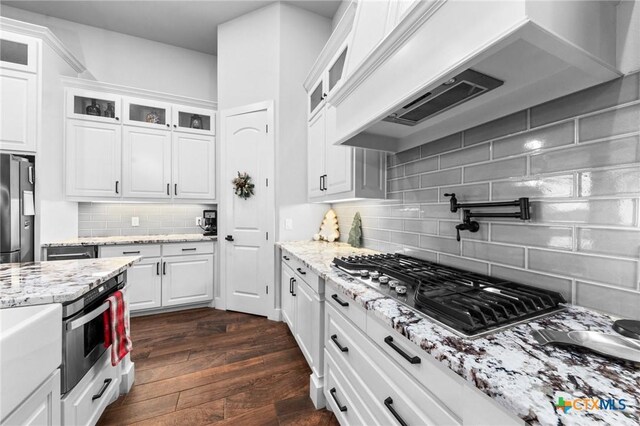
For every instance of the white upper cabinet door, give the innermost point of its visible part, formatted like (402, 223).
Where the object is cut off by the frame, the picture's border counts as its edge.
(95, 106)
(18, 110)
(338, 168)
(146, 163)
(144, 284)
(93, 159)
(194, 120)
(315, 155)
(316, 97)
(146, 113)
(194, 167)
(19, 52)
(187, 279)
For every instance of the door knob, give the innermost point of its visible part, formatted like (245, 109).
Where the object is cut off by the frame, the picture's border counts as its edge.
(229, 238)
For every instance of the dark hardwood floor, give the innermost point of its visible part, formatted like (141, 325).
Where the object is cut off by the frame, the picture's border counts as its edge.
(205, 366)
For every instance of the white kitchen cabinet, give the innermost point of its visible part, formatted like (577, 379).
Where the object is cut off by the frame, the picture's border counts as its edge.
(302, 308)
(93, 159)
(194, 166)
(146, 113)
(145, 284)
(18, 110)
(168, 274)
(41, 408)
(194, 120)
(19, 52)
(187, 279)
(146, 163)
(165, 151)
(287, 302)
(83, 104)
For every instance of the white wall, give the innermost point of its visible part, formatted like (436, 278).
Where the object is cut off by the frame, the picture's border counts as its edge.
(131, 61)
(266, 55)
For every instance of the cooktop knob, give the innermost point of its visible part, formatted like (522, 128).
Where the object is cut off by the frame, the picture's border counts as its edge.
(393, 283)
(364, 273)
(374, 275)
(383, 280)
(401, 289)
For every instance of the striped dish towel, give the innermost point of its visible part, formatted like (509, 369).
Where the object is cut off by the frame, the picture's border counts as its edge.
(116, 327)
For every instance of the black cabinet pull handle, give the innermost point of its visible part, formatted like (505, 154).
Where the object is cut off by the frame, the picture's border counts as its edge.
(342, 408)
(190, 249)
(340, 301)
(286, 258)
(324, 182)
(321, 183)
(164, 268)
(103, 389)
(168, 125)
(117, 185)
(117, 118)
(229, 238)
(157, 268)
(412, 359)
(335, 340)
(175, 126)
(168, 189)
(388, 403)
(131, 252)
(175, 189)
(293, 283)
(301, 271)
(290, 285)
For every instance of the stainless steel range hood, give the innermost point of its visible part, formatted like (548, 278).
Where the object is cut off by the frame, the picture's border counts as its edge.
(455, 91)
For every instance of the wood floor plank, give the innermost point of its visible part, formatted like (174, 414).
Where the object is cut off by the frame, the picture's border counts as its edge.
(205, 366)
(127, 414)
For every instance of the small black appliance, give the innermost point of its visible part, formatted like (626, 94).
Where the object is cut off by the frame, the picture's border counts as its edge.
(210, 222)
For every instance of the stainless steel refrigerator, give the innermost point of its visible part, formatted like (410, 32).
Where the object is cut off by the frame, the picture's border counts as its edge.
(17, 208)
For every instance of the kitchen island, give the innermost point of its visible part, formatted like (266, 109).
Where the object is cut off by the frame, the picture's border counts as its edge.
(55, 368)
(37, 283)
(524, 378)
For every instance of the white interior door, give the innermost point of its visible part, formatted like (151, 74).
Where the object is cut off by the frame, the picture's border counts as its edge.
(247, 146)
(146, 163)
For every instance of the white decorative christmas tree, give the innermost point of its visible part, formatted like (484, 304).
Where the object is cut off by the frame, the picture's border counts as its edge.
(329, 228)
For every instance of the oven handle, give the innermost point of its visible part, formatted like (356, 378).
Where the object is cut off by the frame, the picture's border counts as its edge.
(89, 317)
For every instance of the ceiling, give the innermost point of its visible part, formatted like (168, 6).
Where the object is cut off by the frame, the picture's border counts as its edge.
(189, 24)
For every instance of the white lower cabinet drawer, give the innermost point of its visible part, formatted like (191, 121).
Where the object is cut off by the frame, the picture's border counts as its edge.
(346, 306)
(144, 250)
(342, 398)
(396, 396)
(445, 384)
(86, 402)
(179, 249)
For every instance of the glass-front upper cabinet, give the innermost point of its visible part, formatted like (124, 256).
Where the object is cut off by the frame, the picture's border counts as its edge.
(316, 97)
(146, 113)
(194, 120)
(337, 68)
(94, 106)
(18, 52)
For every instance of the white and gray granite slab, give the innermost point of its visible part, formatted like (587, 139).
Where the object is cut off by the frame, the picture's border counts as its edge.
(509, 366)
(37, 283)
(131, 239)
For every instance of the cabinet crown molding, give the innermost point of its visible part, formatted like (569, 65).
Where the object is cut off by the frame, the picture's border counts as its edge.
(45, 34)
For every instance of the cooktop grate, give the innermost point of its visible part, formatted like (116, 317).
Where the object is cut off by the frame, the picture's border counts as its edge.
(469, 303)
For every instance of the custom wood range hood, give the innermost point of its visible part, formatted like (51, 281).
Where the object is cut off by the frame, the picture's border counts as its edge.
(405, 90)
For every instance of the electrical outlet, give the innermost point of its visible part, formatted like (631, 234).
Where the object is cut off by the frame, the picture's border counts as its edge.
(198, 221)
(135, 221)
(288, 224)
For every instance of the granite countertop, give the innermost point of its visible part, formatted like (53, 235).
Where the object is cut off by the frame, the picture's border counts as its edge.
(131, 239)
(37, 283)
(509, 366)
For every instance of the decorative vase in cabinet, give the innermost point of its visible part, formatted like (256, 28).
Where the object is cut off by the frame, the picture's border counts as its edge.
(93, 109)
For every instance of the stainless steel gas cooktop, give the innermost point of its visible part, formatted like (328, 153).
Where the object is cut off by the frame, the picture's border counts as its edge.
(466, 303)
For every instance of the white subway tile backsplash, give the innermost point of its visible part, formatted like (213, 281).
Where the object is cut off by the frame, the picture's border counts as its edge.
(112, 219)
(584, 232)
